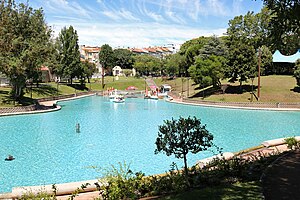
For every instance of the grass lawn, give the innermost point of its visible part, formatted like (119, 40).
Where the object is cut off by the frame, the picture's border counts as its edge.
(242, 191)
(276, 88)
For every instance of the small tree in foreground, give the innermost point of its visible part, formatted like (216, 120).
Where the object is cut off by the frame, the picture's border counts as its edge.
(179, 137)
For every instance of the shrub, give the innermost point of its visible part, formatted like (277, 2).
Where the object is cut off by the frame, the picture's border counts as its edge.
(292, 143)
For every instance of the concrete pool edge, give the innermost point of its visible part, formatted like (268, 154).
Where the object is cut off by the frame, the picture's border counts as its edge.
(179, 101)
(46, 103)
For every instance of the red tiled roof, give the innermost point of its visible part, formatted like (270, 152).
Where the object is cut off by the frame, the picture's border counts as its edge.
(91, 49)
(44, 68)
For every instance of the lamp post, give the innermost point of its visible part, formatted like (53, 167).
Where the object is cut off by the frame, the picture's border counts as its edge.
(258, 80)
(252, 79)
(57, 81)
(103, 76)
(181, 86)
(188, 85)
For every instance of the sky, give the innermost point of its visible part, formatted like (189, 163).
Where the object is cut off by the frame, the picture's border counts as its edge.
(142, 23)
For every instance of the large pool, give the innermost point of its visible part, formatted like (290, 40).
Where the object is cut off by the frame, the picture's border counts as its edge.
(48, 150)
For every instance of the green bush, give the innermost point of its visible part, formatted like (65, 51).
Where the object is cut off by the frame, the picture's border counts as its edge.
(292, 143)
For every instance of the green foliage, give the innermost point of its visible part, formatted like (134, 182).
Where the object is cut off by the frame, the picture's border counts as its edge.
(69, 55)
(24, 41)
(208, 71)
(40, 195)
(123, 58)
(246, 34)
(285, 24)
(88, 69)
(292, 143)
(127, 72)
(190, 49)
(173, 64)
(146, 64)
(121, 183)
(179, 137)
(215, 46)
(106, 57)
(297, 72)
(266, 66)
(241, 63)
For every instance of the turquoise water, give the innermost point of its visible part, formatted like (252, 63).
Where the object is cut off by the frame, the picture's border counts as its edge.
(48, 150)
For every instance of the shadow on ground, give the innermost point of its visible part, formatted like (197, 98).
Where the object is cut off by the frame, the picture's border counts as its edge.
(43, 90)
(282, 179)
(229, 89)
(78, 86)
(296, 89)
(250, 190)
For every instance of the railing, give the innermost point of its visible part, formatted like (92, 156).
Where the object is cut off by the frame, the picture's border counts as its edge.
(245, 104)
(21, 109)
(64, 96)
(38, 106)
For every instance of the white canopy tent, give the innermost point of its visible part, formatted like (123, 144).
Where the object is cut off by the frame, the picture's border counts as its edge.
(278, 57)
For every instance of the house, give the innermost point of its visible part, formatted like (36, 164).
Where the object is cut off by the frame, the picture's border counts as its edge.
(159, 52)
(46, 74)
(117, 71)
(90, 53)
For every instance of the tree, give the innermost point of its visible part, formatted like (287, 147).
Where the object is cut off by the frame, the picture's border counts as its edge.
(88, 69)
(285, 24)
(190, 49)
(69, 55)
(146, 64)
(24, 41)
(123, 58)
(244, 38)
(173, 63)
(297, 72)
(241, 63)
(183, 136)
(209, 65)
(266, 66)
(214, 46)
(208, 71)
(106, 59)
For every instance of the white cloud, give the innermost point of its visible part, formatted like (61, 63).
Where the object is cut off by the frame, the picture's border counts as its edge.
(136, 35)
(127, 15)
(111, 15)
(119, 15)
(66, 8)
(218, 8)
(174, 17)
(155, 16)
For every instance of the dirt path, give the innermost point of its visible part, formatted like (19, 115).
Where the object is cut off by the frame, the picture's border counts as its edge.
(282, 180)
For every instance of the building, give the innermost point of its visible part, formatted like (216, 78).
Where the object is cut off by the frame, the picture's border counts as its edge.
(90, 53)
(159, 52)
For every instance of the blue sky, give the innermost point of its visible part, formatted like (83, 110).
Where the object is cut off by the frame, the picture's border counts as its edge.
(142, 23)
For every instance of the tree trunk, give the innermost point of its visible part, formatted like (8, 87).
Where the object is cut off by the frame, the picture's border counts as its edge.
(186, 173)
(241, 89)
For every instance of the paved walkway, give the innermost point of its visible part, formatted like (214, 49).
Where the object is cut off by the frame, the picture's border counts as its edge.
(282, 180)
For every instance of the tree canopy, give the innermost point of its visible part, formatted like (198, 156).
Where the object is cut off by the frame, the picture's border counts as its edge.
(106, 57)
(69, 55)
(285, 24)
(123, 58)
(146, 64)
(183, 136)
(24, 41)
